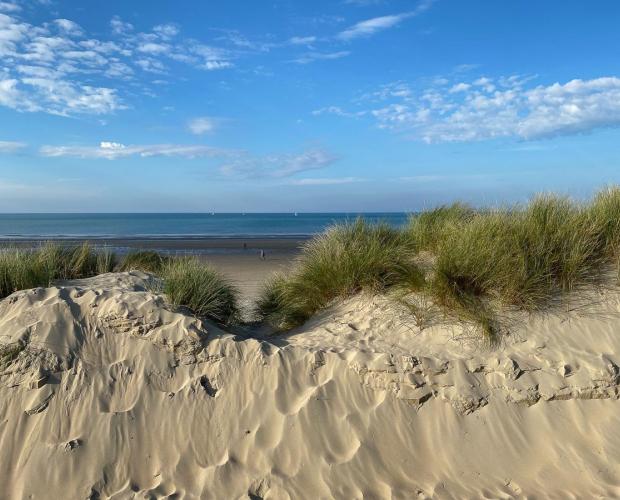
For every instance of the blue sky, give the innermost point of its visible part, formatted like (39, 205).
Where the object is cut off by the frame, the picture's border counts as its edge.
(341, 105)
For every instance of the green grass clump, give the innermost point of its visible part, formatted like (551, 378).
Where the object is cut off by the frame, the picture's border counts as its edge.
(605, 213)
(18, 271)
(28, 268)
(78, 262)
(522, 257)
(525, 257)
(106, 262)
(345, 260)
(427, 229)
(81, 262)
(143, 260)
(279, 303)
(195, 285)
(187, 281)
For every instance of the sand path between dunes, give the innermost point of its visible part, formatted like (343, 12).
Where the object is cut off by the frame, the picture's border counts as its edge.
(248, 272)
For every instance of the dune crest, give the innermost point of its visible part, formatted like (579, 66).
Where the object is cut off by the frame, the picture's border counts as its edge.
(107, 392)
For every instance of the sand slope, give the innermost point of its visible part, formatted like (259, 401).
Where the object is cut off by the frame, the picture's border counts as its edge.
(117, 396)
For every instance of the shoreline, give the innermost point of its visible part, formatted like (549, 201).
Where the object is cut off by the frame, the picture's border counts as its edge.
(198, 245)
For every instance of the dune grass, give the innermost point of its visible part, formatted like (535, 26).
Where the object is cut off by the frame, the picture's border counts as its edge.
(428, 228)
(193, 284)
(187, 281)
(345, 260)
(29, 268)
(143, 260)
(526, 257)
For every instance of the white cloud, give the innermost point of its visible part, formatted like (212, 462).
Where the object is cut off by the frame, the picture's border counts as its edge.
(10, 146)
(488, 108)
(277, 166)
(114, 150)
(208, 57)
(338, 111)
(59, 97)
(239, 41)
(40, 62)
(202, 125)
(576, 106)
(68, 27)
(320, 56)
(120, 27)
(119, 70)
(372, 26)
(214, 65)
(325, 181)
(151, 65)
(11, 33)
(166, 31)
(11, 97)
(333, 110)
(9, 7)
(153, 48)
(459, 87)
(54, 67)
(302, 40)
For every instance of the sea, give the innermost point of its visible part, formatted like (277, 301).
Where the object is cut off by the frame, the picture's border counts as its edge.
(178, 225)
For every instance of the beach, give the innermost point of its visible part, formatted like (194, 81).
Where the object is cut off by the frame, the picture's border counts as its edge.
(468, 354)
(239, 259)
(290, 250)
(249, 272)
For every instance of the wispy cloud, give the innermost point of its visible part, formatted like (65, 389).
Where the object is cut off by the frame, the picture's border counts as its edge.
(486, 108)
(10, 146)
(279, 165)
(372, 26)
(302, 40)
(310, 57)
(231, 163)
(337, 110)
(9, 7)
(369, 27)
(114, 150)
(325, 181)
(202, 125)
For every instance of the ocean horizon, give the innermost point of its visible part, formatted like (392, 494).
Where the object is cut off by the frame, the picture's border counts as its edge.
(179, 225)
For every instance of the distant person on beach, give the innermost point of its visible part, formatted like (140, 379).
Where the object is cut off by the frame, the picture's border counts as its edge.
(262, 254)
(245, 245)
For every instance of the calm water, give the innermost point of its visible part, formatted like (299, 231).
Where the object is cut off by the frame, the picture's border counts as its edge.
(27, 226)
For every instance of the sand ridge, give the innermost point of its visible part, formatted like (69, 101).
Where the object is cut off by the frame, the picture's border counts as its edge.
(116, 395)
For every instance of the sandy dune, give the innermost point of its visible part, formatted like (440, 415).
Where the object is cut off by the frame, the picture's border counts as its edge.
(115, 395)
